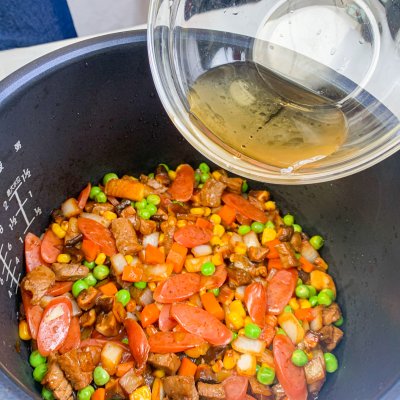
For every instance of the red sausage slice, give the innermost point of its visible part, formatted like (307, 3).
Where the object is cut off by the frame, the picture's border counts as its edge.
(33, 258)
(280, 289)
(182, 187)
(173, 342)
(192, 236)
(177, 288)
(244, 207)
(51, 247)
(255, 298)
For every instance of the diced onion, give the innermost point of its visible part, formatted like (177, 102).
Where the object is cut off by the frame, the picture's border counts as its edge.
(157, 272)
(308, 252)
(247, 365)
(70, 208)
(152, 239)
(289, 323)
(316, 323)
(235, 238)
(239, 293)
(45, 300)
(98, 218)
(146, 297)
(202, 250)
(118, 263)
(251, 240)
(245, 345)
(110, 357)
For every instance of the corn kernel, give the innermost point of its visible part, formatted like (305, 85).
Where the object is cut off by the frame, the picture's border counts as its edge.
(270, 205)
(217, 259)
(142, 393)
(181, 223)
(241, 332)
(237, 307)
(240, 248)
(64, 225)
(60, 233)
(207, 211)
(100, 259)
(247, 321)
(215, 219)
(23, 331)
(172, 174)
(230, 359)
(294, 304)
(215, 241)
(217, 367)
(64, 258)
(304, 303)
(198, 351)
(161, 238)
(216, 175)
(159, 373)
(198, 211)
(128, 258)
(235, 320)
(152, 286)
(268, 235)
(218, 230)
(202, 291)
(109, 215)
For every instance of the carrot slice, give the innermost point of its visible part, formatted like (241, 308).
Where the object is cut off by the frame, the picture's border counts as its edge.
(273, 252)
(109, 289)
(90, 249)
(244, 207)
(306, 314)
(132, 274)
(187, 368)
(99, 394)
(84, 195)
(306, 265)
(153, 255)
(210, 304)
(122, 369)
(275, 263)
(182, 186)
(227, 214)
(149, 315)
(125, 188)
(177, 256)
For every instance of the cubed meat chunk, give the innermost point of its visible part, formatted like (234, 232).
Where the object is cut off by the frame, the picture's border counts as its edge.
(258, 390)
(285, 233)
(69, 363)
(73, 230)
(278, 391)
(147, 226)
(287, 255)
(131, 381)
(211, 391)
(331, 314)
(168, 362)
(125, 236)
(180, 388)
(205, 374)
(238, 277)
(315, 372)
(38, 282)
(56, 381)
(87, 298)
(211, 192)
(233, 184)
(257, 253)
(89, 358)
(330, 337)
(105, 303)
(69, 272)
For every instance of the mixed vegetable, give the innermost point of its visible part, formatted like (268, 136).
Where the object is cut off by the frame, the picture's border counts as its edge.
(177, 285)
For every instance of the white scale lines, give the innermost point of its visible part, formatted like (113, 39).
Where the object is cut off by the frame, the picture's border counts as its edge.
(21, 207)
(7, 267)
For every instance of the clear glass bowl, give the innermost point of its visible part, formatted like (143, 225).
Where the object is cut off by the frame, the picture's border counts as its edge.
(346, 51)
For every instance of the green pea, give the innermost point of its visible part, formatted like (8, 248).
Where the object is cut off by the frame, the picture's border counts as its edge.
(100, 376)
(317, 242)
(245, 186)
(89, 264)
(331, 362)
(101, 272)
(200, 186)
(90, 280)
(215, 292)
(280, 331)
(36, 359)
(125, 341)
(329, 292)
(197, 178)
(302, 292)
(257, 368)
(299, 282)
(204, 168)
(151, 175)
(145, 214)
(288, 309)
(39, 372)
(234, 336)
(108, 177)
(141, 205)
(299, 358)
(313, 291)
(123, 296)
(208, 268)
(298, 255)
(153, 199)
(339, 322)
(313, 301)
(252, 331)
(266, 375)
(94, 191)
(47, 394)
(78, 286)
(288, 219)
(204, 177)
(244, 229)
(297, 228)
(257, 227)
(151, 208)
(324, 299)
(85, 393)
(101, 197)
(140, 285)
(270, 225)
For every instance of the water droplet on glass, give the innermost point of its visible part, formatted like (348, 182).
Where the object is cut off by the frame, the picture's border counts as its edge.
(361, 41)
(271, 47)
(281, 35)
(319, 31)
(333, 51)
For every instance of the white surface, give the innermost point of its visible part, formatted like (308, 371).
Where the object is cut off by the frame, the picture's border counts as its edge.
(99, 16)
(11, 60)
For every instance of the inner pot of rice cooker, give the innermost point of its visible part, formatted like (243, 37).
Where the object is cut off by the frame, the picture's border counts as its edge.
(90, 108)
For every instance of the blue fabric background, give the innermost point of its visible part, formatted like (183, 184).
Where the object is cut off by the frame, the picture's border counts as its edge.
(30, 22)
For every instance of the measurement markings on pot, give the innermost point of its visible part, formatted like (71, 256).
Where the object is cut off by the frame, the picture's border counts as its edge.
(19, 217)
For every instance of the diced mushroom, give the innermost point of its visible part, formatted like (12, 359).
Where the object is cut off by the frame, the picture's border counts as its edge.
(331, 314)
(330, 337)
(105, 303)
(88, 318)
(257, 254)
(107, 324)
(285, 233)
(287, 255)
(238, 277)
(87, 298)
